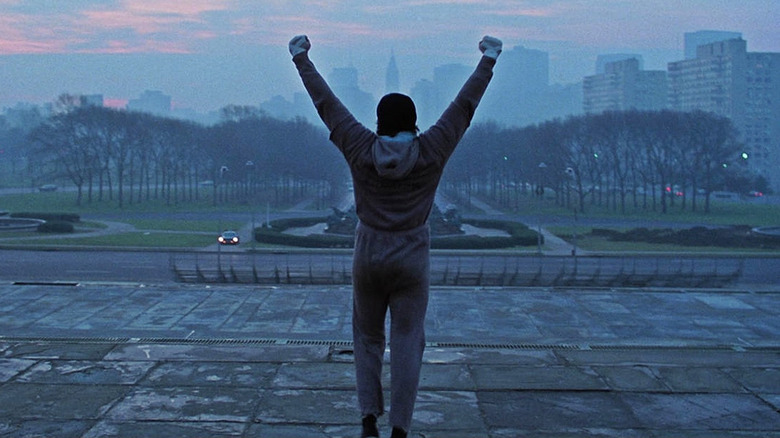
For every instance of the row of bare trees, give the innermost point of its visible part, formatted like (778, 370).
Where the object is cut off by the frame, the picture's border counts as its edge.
(648, 160)
(135, 157)
(620, 160)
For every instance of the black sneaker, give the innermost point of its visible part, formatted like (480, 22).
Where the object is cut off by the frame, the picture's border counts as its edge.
(398, 433)
(369, 427)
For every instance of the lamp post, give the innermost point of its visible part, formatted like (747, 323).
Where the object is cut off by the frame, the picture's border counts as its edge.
(222, 170)
(249, 165)
(572, 175)
(540, 194)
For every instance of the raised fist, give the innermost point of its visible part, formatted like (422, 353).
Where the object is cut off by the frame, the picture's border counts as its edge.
(490, 47)
(299, 44)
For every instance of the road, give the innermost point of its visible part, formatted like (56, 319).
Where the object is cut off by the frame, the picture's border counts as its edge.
(449, 268)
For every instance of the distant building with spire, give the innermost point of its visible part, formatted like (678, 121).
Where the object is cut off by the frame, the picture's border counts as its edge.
(392, 77)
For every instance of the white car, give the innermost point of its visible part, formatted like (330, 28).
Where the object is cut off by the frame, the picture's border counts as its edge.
(228, 238)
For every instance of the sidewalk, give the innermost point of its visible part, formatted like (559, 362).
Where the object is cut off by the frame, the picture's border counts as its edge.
(174, 360)
(553, 245)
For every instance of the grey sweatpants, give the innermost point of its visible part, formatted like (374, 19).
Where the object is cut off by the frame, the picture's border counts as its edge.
(390, 270)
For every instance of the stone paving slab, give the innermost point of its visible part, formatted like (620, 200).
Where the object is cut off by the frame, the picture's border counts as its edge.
(186, 404)
(222, 374)
(85, 372)
(225, 353)
(165, 429)
(278, 394)
(44, 428)
(549, 410)
(714, 412)
(500, 363)
(487, 315)
(29, 401)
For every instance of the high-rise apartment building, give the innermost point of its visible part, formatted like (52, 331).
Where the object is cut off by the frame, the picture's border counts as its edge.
(603, 60)
(701, 37)
(624, 86)
(725, 79)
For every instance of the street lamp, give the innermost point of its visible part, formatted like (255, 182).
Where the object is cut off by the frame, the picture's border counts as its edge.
(250, 165)
(572, 175)
(540, 193)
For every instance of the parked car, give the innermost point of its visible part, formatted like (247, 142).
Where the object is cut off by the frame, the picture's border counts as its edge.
(228, 238)
(48, 188)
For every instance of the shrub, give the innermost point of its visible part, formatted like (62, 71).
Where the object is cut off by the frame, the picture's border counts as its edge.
(56, 227)
(519, 235)
(730, 237)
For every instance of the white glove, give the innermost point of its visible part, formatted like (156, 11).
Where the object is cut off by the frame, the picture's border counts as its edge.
(299, 44)
(490, 47)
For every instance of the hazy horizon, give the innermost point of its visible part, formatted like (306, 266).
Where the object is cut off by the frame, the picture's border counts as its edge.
(210, 53)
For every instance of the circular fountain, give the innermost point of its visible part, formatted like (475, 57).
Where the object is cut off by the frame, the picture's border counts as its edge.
(19, 224)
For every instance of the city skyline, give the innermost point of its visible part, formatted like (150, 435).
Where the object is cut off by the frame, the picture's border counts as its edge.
(210, 53)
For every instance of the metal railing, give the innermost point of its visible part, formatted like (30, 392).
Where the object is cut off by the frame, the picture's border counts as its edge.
(467, 270)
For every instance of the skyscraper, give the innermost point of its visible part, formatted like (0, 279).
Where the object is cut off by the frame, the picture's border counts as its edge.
(518, 91)
(725, 79)
(392, 77)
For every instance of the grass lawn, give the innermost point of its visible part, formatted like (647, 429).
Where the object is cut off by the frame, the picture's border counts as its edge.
(206, 226)
(755, 213)
(201, 233)
(65, 202)
(136, 239)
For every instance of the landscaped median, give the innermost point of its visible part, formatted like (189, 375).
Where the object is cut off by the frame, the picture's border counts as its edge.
(518, 235)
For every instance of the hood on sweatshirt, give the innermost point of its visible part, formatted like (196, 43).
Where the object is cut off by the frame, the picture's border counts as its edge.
(394, 157)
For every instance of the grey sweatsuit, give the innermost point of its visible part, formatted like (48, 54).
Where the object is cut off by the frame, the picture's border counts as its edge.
(395, 181)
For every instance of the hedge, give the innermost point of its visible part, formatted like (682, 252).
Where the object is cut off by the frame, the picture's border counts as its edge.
(730, 237)
(49, 217)
(56, 227)
(519, 235)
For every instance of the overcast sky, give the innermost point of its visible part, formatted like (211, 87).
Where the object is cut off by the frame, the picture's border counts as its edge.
(209, 53)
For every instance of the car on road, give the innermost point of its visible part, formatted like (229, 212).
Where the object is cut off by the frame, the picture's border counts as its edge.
(228, 238)
(48, 188)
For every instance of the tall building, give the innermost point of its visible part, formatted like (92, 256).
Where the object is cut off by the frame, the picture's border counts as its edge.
(725, 79)
(344, 82)
(519, 93)
(425, 98)
(624, 86)
(519, 89)
(392, 77)
(154, 102)
(699, 38)
(603, 60)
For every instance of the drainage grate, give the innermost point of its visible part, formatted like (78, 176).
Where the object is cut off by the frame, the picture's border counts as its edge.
(666, 347)
(45, 283)
(490, 346)
(348, 344)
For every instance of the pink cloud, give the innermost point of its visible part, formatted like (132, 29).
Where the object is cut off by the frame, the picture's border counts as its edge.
(189, 8)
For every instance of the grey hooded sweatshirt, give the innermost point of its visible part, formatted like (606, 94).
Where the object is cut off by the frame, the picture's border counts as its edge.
(395, 178)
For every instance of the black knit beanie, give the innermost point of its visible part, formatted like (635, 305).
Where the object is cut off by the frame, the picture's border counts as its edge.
(395, 113)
